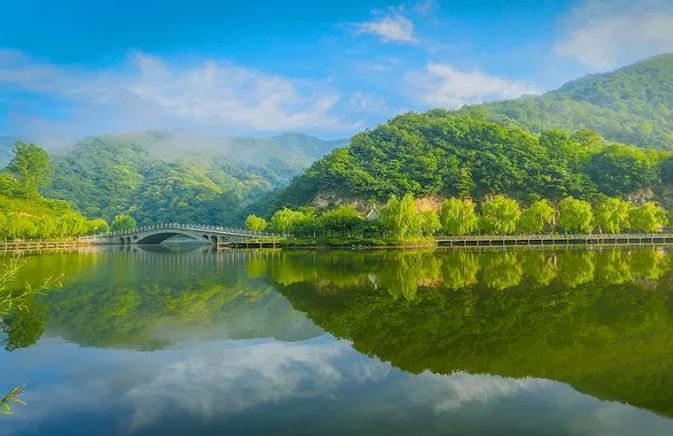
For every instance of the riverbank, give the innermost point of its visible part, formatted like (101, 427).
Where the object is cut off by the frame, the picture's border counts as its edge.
(601, 239)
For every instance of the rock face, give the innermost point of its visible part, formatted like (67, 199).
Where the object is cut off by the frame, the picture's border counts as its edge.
(642, 195)
(329, 199)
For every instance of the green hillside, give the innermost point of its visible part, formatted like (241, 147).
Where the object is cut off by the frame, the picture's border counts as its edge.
(24, 213)
(441, 153)
(163, 177)
(632, 105)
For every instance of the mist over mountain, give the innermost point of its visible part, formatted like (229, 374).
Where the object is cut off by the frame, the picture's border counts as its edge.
(160, 176)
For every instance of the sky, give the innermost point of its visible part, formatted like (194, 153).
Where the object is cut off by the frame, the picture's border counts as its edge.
(329, 68)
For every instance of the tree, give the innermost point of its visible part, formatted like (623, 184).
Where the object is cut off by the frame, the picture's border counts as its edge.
(575, 216)
(458, 217)
(649, 217)
(400, 218)
(622, 169)
(538, 217)
(98, 225)
(430, 223)
(255, 223)
(343, 220)
(30, 165)
(500, 215)
(123, 222)
(285, 220)
(612, 215)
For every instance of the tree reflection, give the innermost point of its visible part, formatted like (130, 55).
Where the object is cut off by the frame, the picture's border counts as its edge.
(577, 316)
(502, 270)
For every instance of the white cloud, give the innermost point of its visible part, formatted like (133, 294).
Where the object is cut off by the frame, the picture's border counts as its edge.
(444, 86)
(394, 27)
(368, 103)
(603, 34)
(151, 92)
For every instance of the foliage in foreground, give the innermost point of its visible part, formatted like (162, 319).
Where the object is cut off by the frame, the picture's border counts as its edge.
(17, 313)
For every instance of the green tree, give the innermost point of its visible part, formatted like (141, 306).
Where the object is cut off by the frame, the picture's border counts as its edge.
(458, 217)
(123, 222)
(98, 225)
(31, 166)
(649, 217)
(612, 215)
(286, 220)
(430, 223)
(575, 216)
(400, 218)
(500, 215)
(538, 217)
(343, 220)
(255, 223)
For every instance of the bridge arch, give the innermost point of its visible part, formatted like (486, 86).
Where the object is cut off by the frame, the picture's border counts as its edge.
(160, 236)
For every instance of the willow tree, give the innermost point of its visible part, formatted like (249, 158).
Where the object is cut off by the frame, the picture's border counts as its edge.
(649, 217)
(575, 216)
(458, 217)
(612, 215)
(500, 215)
(400, 218)
(538, 217)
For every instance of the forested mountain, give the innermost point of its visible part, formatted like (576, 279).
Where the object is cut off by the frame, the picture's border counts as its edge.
(632, 105)
(442, 153)
(163, 177)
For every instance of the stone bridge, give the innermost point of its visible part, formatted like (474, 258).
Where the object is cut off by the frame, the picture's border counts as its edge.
(158, 233)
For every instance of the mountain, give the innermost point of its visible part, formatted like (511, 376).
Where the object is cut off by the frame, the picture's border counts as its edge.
(566, 142)
(161, 177)
(442, 153)
(632, 105)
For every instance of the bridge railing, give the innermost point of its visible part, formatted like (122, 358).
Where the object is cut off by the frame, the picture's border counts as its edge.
(191, 227)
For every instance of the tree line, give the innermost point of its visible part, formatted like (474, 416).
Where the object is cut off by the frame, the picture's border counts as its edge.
(401, 219)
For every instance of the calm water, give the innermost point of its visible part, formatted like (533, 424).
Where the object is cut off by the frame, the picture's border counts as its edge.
(197, 342)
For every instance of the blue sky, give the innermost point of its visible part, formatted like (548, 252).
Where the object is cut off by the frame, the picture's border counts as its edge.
(73, 68)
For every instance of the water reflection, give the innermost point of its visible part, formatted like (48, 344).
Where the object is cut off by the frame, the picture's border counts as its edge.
(153, 299)
(600, 321)
(425, 341)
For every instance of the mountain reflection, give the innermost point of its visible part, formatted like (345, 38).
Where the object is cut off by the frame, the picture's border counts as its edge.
(598, 320)
(154, 299)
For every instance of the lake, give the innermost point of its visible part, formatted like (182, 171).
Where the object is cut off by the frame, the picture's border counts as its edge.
(191, 341)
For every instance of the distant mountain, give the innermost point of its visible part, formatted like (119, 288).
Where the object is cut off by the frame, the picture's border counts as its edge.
(632, 105)
(160, 176)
